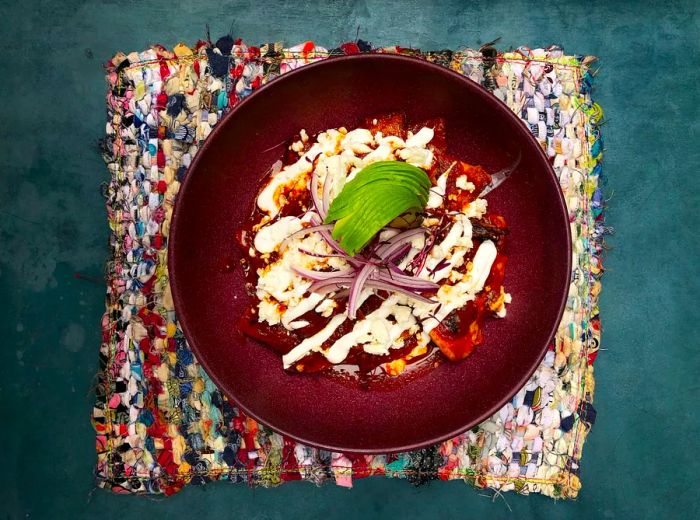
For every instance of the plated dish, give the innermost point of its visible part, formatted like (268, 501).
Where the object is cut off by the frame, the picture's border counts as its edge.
(426, 403)
(371, 250)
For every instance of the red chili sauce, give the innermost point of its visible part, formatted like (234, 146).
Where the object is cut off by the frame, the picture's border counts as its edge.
(456, 336)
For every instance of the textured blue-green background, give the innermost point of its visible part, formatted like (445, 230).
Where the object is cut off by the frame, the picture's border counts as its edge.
(641, 459)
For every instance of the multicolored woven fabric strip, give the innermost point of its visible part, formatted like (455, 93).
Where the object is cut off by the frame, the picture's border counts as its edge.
(160, 421)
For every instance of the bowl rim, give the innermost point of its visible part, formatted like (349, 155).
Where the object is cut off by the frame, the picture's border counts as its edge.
(178, 299)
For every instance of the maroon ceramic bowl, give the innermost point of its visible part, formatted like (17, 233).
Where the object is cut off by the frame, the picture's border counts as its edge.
(218, 194)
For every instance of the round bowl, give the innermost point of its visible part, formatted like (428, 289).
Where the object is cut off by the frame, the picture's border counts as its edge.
(218, 194)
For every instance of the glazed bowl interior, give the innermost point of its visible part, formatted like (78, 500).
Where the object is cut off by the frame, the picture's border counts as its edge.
(218, 193)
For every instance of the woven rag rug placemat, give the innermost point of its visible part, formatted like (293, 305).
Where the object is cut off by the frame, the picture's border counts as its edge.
(160, 421)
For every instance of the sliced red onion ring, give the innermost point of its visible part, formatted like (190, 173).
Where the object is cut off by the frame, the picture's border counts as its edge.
(386, 286)
(364, 272)
(338, 282)
(395, 268)
(395, 243)
(356, 289)
(354, 261)
(398, 253)
(343, 293)
(409, 282)
(320, 255)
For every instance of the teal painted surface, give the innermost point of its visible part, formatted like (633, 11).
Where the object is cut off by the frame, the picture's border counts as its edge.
(640, 460)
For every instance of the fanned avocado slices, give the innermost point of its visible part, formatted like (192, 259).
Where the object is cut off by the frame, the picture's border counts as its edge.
(378, 194)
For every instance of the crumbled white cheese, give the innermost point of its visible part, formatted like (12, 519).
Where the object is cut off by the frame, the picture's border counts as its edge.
(437, 192)
(358, 141)
(379, 340)
(371, 330)
(463, 184)
(501, 311)
(420, 157)
(278, 284)
(476, 209)
(268, 310)
(331, 169)
(359, 135)
(325, 308)
(337, 156)
(383, 152)
(329, 141)
(281, 283)
(269, 237)
(453, 297)
(455, 276)
(393, 141)
(421, 138)
(450, 252)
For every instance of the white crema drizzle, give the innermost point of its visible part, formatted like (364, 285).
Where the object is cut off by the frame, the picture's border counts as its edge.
(337, 156)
